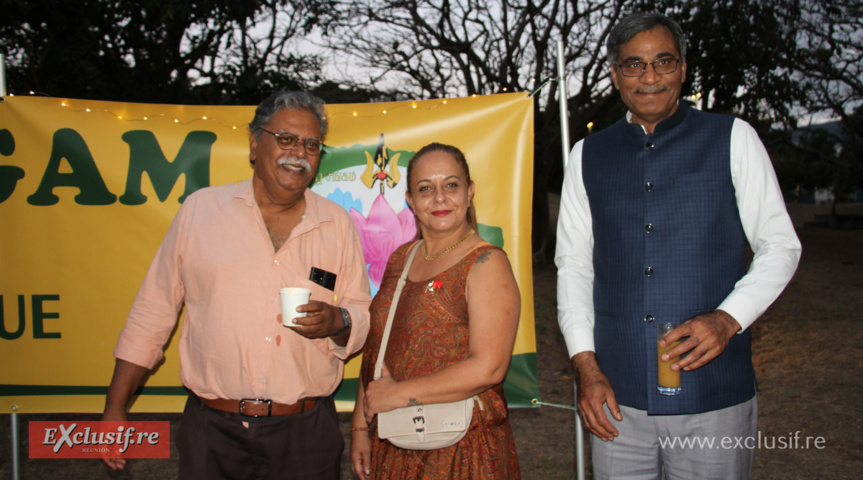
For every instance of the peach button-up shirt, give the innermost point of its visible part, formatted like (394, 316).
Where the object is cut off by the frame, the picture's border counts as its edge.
(218, 261)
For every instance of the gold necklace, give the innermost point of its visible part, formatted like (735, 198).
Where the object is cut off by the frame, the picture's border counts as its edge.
(447, 249)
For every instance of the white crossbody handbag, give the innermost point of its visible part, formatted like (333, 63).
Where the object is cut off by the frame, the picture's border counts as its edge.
(420, 427)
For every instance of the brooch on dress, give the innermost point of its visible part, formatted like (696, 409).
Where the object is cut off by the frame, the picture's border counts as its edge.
(433, 285)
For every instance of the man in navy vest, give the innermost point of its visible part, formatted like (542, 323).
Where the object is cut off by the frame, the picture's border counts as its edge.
(655, 216)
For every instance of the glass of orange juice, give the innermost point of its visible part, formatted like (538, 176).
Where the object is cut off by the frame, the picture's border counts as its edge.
(669, 380)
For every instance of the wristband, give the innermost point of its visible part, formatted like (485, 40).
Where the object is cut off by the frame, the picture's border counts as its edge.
(346, 317)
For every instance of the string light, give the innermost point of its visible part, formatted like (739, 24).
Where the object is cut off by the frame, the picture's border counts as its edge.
(417, 104)
(64, 103)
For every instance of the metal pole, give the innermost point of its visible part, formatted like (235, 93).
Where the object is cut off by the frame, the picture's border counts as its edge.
(564, 140)
(579, 437)
(13, 429)
(13, 417)
(2, 77)
(564, 107)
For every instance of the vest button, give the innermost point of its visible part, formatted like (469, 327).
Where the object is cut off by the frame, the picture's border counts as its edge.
(648, 318)
(648, 147)
(648, 228)
(648, 271)
(648, 186)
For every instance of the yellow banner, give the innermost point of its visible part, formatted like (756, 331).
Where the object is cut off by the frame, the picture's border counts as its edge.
(88, 189)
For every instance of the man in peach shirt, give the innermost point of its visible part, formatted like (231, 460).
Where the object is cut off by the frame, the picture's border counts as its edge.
(260, 403)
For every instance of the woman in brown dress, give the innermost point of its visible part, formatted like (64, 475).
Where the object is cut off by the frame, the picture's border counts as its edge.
(452, 335)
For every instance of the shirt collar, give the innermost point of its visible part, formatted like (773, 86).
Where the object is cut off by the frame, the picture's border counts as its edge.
(667, 124)
(243, 190)
(314, 214)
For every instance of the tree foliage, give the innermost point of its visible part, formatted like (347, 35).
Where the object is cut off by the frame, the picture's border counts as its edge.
(443, 48)
(830, 72)
(739, 59)
(173, 51)
(741, 55)
(768, 61)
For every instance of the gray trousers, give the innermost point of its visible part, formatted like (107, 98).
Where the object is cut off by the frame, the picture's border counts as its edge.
(713, 445)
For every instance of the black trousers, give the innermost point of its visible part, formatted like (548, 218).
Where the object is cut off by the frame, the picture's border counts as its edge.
(216, 445)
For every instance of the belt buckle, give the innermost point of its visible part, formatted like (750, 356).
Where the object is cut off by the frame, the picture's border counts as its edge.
(243, 406)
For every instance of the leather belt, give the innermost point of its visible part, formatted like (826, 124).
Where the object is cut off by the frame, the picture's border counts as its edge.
(256, 407)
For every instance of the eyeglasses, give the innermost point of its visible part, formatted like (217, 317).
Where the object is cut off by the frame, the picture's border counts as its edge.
(289, 140)
(662, 66)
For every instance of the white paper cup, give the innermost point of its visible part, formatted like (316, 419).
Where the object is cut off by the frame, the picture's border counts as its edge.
(293, 297)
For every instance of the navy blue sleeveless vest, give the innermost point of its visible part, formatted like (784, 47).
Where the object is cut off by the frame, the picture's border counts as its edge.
(668, 245)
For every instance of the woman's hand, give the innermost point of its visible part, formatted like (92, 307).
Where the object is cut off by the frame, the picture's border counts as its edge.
(494, 306)
(361, 445)
(361, 454)
(381, 396)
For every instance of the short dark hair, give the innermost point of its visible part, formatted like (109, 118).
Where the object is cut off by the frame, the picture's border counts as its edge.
(459, 157)
(292, 101)
(636, 23)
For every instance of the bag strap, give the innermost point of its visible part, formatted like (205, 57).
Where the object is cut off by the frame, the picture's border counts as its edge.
(379, 364)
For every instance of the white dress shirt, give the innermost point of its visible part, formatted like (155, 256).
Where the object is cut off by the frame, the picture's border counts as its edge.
(762, 213)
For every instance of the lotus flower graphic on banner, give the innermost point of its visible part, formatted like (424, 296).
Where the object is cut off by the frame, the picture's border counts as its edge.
(381, 228)
(381, 233)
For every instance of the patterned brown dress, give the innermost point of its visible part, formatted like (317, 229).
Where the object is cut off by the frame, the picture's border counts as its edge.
(429, 333)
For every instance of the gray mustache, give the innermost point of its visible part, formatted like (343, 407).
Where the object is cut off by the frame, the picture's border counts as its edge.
(294, 162)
